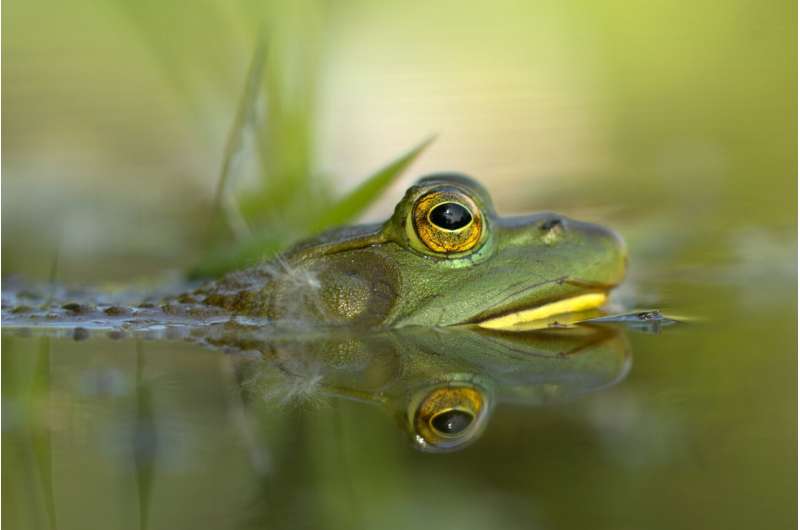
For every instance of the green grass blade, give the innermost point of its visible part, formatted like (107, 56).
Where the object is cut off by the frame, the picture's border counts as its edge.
(354, 203)
(235, 142)
(247, 252)
(272, 240)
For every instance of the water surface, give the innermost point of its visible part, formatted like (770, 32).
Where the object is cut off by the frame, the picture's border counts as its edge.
(693, 427)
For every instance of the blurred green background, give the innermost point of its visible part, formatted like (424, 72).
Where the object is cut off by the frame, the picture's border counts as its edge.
(673, 122)
(117, 114)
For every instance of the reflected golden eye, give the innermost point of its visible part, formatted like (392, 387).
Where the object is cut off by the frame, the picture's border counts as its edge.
(451, 422)
(447, 416)
(447, 221)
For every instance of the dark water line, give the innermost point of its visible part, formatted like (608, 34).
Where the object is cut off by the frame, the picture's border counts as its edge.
(143, 453)
(42, 440)
(339, 436)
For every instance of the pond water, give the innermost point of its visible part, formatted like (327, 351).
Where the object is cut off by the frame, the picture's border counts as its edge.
(593, 427)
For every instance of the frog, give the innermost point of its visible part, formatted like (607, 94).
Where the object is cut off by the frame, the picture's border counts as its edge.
(443, 258)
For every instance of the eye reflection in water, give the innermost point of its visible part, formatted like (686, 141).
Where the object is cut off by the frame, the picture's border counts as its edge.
(448, 416)
(443, 384)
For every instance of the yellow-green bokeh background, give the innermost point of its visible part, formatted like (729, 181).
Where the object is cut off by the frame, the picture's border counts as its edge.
(116, 112)
(673, 121)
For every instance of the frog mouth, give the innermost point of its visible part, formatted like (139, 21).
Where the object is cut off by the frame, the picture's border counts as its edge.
(529, 317)
(530, 308)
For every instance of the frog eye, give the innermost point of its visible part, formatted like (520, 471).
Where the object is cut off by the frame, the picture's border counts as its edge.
(449, 216)
(449, 417)
(447, 221)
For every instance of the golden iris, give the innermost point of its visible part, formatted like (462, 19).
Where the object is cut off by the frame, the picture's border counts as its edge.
(446, 414)
(447, 221)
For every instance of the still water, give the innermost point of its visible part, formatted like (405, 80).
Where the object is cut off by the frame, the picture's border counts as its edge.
(693, 426)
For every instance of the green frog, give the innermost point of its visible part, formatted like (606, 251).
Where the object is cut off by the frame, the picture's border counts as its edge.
(444, 258)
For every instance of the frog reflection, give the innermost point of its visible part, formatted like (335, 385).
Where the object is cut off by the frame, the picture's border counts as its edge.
(442, 385)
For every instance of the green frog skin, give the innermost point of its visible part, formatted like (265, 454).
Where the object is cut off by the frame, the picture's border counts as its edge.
(443, 258)
(409, 271)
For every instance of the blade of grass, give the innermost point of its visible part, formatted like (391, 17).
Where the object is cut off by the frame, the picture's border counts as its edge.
(353, 204)
(53, 276)
(235, 142)
(285, 134)
(245, 253)
(270, 242)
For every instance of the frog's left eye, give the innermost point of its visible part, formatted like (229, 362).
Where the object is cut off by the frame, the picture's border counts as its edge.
(447, 221)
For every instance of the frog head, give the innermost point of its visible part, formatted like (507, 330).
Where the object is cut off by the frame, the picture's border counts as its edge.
(446, 258)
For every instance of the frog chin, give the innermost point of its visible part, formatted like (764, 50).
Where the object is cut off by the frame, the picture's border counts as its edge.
(538, 315)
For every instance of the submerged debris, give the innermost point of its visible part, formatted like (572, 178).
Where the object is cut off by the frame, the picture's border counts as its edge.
(80, 334)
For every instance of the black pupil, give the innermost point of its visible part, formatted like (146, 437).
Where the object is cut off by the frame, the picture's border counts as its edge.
(450, 216)
(452, 421)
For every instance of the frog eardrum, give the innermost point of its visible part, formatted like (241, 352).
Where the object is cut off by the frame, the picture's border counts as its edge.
(447, 221)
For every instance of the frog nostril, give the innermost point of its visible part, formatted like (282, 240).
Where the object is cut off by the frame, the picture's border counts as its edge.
(551, 224)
